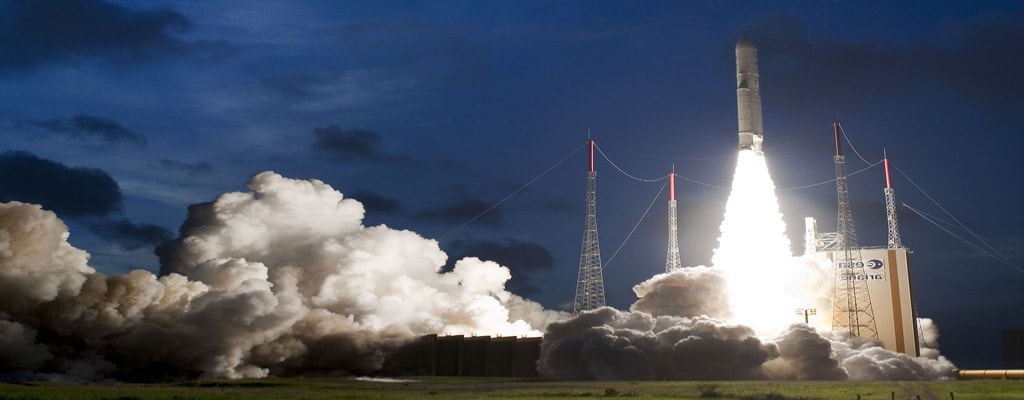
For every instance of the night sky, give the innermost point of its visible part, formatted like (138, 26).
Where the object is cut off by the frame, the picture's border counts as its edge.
(119, 115)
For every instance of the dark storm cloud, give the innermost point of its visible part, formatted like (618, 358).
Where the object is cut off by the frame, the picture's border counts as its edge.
(347, 144)
(84, 126)
(38, 32)
(463, 211)
(131, 236)
(377, 204)
(62, 189)
(982, 63)
(520, 257)
(192, 170)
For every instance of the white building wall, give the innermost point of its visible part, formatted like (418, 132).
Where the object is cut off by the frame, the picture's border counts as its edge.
(888, 276)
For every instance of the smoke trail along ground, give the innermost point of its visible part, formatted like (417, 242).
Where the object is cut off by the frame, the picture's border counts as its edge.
(734, 320)
(279, 280)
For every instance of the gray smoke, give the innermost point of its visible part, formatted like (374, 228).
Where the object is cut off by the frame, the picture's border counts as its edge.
(606, 344)
(281, 279)
(678, 329)
(685, 292)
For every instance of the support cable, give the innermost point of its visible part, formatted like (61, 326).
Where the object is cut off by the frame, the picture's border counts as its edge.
(661, 157)
(515, 192)
(624, 172)
(833, 179)
(851, 145)
(995, 256)
(642, 217)
(699, 182)
(800, 138)
(960, 224)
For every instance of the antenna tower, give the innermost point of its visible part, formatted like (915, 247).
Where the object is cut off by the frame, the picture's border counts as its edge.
(851, 307)
(590, 284)
(672, 262)
(890, 208)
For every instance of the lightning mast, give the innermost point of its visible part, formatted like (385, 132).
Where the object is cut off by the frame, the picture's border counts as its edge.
(672, 262)
(890, 207)
(851, 307)
(590, 283)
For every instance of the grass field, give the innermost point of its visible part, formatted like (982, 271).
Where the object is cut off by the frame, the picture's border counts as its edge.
(505, 388)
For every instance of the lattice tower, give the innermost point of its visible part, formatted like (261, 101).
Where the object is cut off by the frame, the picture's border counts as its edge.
(890, 209)
(590, 283)
(851, 307)
(672, 261)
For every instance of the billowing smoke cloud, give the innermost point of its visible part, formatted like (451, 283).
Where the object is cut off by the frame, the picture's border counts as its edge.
(606, 344)
(679, 328)
(282, 279)
(729, 321)
(685, 292)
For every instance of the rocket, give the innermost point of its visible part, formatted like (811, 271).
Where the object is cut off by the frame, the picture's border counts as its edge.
(748, 96)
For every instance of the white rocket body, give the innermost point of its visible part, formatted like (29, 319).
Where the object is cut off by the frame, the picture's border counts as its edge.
(748, 96)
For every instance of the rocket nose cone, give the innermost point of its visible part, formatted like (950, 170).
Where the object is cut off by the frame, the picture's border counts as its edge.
(745, 42)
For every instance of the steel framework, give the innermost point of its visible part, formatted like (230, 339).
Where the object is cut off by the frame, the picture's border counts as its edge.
(890, 209)
(672, 261)
(590, 283)
(851, 307)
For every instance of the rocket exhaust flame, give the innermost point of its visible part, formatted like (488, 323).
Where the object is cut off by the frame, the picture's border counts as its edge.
(285, 279)
(736, 319)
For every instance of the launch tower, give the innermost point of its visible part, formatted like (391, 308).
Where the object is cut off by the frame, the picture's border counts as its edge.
(672, 261)
(852, 302)
(885, 276)
(890, 208)
(590, 284)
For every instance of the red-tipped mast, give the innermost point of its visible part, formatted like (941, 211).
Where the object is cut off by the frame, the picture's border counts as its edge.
(835, 126)
(672, 185)
(591, 155)
(885, 160)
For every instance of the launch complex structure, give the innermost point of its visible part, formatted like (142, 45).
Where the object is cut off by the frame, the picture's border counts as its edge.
(871, 292)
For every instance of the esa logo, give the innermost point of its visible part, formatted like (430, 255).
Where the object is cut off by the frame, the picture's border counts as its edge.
(874, 264)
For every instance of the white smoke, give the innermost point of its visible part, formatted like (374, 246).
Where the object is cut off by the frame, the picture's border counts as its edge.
(676, 331)
(281, 279)
(733, 320)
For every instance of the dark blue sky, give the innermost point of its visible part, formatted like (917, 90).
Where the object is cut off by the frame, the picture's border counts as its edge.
(119, 115)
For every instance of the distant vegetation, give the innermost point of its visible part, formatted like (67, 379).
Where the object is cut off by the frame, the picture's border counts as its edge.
(505, 388)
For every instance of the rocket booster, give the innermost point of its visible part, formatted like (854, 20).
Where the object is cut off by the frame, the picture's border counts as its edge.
(748, 96)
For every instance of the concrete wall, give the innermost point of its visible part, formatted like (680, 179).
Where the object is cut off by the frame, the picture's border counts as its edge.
(459, 355)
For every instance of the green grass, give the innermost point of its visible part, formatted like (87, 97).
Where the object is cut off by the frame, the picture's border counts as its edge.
(506, 388)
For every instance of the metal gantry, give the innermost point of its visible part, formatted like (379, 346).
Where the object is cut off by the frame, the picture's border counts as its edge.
(851, 307)
(672, 261)
(890, 208)
(590, 283)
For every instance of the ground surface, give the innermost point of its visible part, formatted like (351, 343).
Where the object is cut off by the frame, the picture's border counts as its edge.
(492, 388)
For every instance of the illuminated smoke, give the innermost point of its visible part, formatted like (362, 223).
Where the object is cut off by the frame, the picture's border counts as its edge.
(735, 320)
(284, 279)
(765, 283)
(281, 279)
